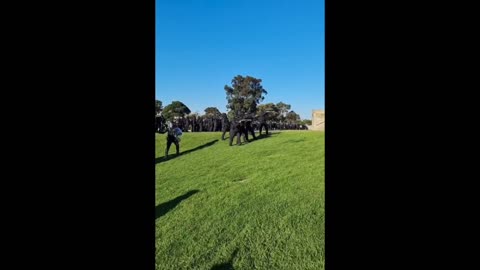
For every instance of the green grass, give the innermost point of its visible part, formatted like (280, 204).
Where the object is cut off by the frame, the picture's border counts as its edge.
(255, 206)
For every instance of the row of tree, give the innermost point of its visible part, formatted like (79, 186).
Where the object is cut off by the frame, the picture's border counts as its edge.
(279, 112)
(243, 101)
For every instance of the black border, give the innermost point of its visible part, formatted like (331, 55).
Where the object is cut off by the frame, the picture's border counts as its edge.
(82, 137)
(365, 173)
(395, 168)
(85, 137)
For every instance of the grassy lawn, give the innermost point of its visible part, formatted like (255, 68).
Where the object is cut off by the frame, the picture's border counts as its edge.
(255, 206)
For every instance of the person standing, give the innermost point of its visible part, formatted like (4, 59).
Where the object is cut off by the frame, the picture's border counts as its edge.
(173, 136)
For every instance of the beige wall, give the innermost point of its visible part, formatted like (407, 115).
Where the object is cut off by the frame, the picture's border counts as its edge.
(318, 120)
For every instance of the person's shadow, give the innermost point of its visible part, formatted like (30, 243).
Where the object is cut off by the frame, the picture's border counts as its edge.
(228, 265)
(163, 208)
(173, 155)
(261, 136)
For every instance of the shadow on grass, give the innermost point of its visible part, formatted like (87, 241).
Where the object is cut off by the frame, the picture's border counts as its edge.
(173, 155)
(261, 136)
(228, 265)
(165, 207)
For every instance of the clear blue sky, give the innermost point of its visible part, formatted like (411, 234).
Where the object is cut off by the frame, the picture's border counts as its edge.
(202, 44)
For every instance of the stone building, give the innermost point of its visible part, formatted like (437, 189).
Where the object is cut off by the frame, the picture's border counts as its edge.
(318, 120)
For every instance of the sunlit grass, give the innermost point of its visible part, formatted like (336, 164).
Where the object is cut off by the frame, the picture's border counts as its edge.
(254, 206)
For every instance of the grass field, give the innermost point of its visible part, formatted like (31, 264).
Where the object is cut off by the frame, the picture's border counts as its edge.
(255, 206)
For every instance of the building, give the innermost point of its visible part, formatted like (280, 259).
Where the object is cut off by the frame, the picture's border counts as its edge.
(318, 120)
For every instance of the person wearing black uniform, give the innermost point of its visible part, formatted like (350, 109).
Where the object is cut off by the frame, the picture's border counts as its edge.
(263, 123)
(160, 126)
(249, 129)
(225, 125)
(173, 136)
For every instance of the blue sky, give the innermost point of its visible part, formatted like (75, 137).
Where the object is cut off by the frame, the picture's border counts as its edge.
(202, 44)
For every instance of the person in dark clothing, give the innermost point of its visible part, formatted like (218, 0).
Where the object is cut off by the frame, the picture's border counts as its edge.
(173, 136)
(262, 119)
(236, 129)
(249, 128)
(160, 125)
(225, 125)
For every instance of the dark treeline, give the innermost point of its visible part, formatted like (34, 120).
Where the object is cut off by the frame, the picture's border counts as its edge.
(194, 122)
(244, 97)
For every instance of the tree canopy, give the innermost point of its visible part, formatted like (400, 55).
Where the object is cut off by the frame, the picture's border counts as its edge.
(306, 122)
(244, 95)
(212, 112)
(292, 117)
(158, 106)
(269, 108)
(283, 108)
(175, 109)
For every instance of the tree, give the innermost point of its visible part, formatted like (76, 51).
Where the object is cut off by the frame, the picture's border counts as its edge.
(244, 95)
(292, 117)
(270, 108)
(212, 112)
(307, 122)
(158, 106)
(283, 108)
(175, 109)
(231, 115)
